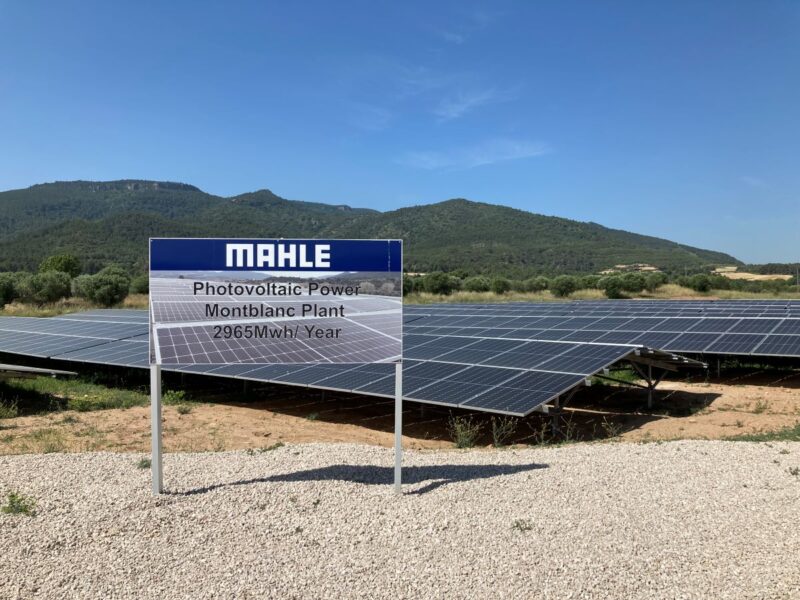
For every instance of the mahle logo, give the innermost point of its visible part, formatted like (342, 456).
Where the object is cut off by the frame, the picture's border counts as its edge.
(278, 256)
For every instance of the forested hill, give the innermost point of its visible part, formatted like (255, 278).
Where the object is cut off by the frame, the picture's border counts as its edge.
(105, 222)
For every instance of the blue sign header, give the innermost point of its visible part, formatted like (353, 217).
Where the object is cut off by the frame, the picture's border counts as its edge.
(216, 254)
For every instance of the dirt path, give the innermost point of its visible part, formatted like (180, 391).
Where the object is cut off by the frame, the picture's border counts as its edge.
(700, 410)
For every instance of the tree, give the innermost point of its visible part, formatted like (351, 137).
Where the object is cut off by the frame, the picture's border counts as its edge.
(537, 284)
(6, 288)
(42, 288)
(500, 285)
(653, 281)
(107, 288)
(477, 284)
(65, 263)
(438, 283)
(83, 287)
(563, 285)
(612, 287)
(409, 285)
(140, 284)
(700, 283)
(588, 282)
(633, 282)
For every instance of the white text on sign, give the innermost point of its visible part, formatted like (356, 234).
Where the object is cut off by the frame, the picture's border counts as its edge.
(278, 256)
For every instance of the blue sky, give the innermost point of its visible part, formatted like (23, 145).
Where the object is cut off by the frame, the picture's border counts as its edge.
(676, 119)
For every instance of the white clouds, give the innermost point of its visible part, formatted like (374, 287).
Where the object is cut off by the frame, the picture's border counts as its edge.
(459, 104)
(486, 153)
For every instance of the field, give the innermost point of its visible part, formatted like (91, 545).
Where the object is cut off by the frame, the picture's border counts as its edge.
(734, 273)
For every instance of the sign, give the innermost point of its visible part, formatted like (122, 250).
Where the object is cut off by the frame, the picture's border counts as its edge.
(263, 301)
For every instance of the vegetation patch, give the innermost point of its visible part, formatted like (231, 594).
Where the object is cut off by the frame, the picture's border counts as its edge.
(502, 430)
(464, 431)
(786, 434)
(19, 504)
(522, 525)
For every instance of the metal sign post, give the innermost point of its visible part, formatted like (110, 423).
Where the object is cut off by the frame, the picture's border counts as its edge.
(156, 465)
(398, 428)
(274, 301)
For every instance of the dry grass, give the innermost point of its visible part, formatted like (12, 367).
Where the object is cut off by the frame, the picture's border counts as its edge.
(67, 305)
(669, 291)
(136, 301)
(480, 297)
(734, 273)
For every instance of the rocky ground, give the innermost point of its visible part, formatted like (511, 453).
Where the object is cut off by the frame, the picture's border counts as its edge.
(688, 519)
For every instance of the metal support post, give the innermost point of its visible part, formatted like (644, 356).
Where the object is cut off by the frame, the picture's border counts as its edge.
(155, 426)
(650, 386)
(398, 428)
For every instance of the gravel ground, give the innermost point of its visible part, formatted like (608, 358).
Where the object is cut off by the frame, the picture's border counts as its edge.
(671, 520)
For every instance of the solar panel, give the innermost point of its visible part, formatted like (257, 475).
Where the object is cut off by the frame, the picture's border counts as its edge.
(121, 353)
(43, 345)
(585, 359)
(755, 326)
(779, 345)
(518, 395)
(736, 343)
(691, 342)
(788, 326)
(719, 325)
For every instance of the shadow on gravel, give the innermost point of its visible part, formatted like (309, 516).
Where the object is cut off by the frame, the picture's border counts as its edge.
(435, 476)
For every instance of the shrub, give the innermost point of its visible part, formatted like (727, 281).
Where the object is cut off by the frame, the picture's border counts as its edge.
(6, 288)
(537, 284)
(140, 284)
(83, 286)
(477, 284)
(612, 287)
(43, 287)
(589, 282)
(173, 397)
(500, 285)
(409, 285)
(653, 281)
(108, 287)
(144, 463)
(65, 263)
(633, 282)
(464, 431)
(439, 283)
(112, 286)
(502, 430)
(700, 283)
(563, 285)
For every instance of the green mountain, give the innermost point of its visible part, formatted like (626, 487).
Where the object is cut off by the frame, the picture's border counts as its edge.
(104, 222)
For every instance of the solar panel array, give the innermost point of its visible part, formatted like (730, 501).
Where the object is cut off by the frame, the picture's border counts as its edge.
(506, 358)
(517, 377)
(740, 327)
